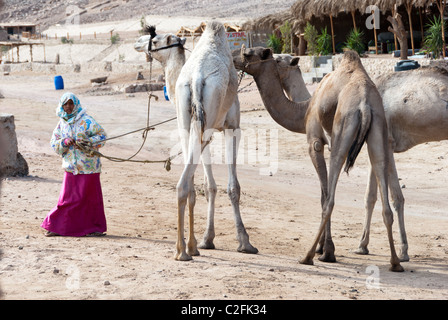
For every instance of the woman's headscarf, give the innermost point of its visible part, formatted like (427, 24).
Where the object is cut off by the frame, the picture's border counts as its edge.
(76, 110)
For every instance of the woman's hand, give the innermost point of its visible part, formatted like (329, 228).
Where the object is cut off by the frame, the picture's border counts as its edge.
(83, 142)
(68, 142)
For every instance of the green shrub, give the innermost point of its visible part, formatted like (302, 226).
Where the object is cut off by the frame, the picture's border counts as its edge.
(311, 36)
(115, 38)
(324, 42)
(64, 40)
(355, 41)
(275, 43)
(285, 29)
(433, 37)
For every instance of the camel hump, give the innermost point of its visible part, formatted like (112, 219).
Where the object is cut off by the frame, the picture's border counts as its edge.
(351, 56)
(215, 27)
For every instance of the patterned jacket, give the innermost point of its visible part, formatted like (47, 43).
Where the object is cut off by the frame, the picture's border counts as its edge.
(75, 160)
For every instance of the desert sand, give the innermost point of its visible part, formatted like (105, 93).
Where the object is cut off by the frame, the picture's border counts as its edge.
(280, 206)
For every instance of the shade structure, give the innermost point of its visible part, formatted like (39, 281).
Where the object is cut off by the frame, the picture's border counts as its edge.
(305, 9)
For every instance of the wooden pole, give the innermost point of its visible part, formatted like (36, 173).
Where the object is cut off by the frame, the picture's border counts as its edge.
(374, 32)
(395, 36)
(409, 10)
(354, 22)
(332, 34)
(421, 26)
(441, 5)
(31, 52)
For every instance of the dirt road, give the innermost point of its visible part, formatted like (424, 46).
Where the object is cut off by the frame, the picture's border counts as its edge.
(280, 205)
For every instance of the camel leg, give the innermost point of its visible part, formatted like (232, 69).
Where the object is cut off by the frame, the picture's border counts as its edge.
(343, 136)
(326, 245)
(192, 245)
(370, 200)
(398, 203)
(335, 169)
(210, 192)
(184, 187)
(378, 154)
(233, 190)
(186, 193)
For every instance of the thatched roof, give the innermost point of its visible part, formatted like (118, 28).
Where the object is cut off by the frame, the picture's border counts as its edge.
(272, 21)
(305, 9)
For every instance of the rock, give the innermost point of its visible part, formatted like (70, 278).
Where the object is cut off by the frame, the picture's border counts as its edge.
(12, 162)
(140, 76)
(98, 80)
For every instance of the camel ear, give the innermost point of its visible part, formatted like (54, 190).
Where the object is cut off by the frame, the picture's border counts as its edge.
(294, 61)
(266, 54)
(182, 41)
(168, 40)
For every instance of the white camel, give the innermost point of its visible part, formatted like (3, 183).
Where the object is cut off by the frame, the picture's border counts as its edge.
(169, 50)
(206, 101)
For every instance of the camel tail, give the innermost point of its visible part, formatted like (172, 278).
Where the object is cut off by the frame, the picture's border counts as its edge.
(197, 107)
(365, 117)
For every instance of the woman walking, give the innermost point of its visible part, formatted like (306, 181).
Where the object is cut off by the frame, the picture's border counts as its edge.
(80, 209)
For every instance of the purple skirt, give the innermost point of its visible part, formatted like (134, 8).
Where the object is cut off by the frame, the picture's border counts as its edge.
(80, 208)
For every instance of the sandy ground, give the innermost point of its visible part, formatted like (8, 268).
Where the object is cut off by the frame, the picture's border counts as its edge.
(280, 205)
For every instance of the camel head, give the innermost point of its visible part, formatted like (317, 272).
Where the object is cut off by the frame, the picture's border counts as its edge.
(158, 46)
(249, 59)
(287, 64)
(287, 61)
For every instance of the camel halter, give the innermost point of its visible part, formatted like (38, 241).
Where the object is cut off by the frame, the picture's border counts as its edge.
(247, 63)
(178, 44)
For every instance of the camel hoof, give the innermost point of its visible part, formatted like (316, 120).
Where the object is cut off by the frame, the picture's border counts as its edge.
(404, 258)
(396, 268)
(193, 252)
(307, 261)
(206, 245)
(247, 249)
(360, 250)
(327, 257)
(319, 250)
(183, 256)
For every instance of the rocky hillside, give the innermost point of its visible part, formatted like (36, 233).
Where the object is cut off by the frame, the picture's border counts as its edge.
(50, 12)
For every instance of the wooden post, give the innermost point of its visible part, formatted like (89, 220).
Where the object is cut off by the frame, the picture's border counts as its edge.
(354, 22)
(374, 33)
(31, 52)
(394, 10)
(421, 26)
(441, 5)
(409, 10)
(18, 57)
(332, 34)
(94, 34)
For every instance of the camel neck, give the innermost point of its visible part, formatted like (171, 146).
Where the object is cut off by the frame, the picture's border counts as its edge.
(173, 67)
(287, 113)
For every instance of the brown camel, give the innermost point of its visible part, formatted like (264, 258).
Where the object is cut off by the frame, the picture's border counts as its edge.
(345, 111)
(414, 116)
